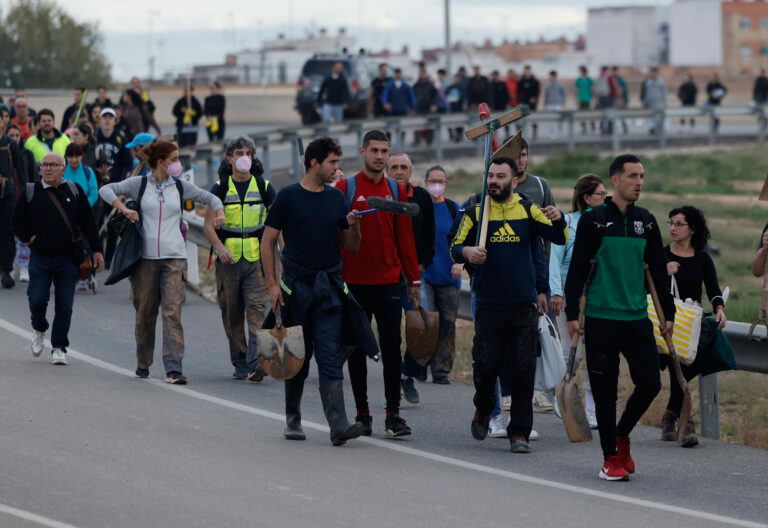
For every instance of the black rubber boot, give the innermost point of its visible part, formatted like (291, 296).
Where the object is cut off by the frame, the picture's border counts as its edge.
(332, 395)
(293, 390)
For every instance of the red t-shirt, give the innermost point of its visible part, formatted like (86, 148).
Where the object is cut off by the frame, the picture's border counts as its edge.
(23, 128)
(387, 247)
(512, 90)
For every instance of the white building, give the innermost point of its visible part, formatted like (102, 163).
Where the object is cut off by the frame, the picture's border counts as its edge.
(696, 33)
(634, 36)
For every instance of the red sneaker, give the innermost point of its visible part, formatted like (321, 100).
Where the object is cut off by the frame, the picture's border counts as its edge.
(622, 448)
(613, 469)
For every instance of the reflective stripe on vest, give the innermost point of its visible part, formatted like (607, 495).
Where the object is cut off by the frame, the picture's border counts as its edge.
(243, 217)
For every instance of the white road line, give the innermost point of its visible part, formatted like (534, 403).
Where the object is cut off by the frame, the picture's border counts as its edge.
(394, 446)
(33, 517)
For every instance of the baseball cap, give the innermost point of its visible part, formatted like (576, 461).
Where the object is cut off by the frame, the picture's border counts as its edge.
(141, 139)
(108, 111)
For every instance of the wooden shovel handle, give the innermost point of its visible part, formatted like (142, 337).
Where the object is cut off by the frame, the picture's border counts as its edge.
(484, 221)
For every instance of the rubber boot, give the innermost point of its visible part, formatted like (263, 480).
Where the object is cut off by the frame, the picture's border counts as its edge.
(293, 390)
(332, 396)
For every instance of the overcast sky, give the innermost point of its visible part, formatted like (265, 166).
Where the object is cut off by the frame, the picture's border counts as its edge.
(179, 34)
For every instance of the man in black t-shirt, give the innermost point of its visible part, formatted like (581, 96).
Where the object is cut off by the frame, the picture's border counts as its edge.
(315, 221)
(377, 89)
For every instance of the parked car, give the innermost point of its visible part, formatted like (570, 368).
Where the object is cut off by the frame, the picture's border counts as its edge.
(359, 72)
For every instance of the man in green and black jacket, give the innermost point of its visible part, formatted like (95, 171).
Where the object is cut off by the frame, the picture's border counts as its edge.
(622, 238)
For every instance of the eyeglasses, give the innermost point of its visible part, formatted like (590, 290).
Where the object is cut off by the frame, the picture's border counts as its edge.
(50, 165)
(602, 194)
(676, 224)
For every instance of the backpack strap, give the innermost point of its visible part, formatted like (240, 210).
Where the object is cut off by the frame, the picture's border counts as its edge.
(351, 189)
(223, 187)
(180, 189)
(30, 191)
(451, 205)
(142, 189)
(73, 188)
(393, 188)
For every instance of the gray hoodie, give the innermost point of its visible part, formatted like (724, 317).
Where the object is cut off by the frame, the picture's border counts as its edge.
(160, 212)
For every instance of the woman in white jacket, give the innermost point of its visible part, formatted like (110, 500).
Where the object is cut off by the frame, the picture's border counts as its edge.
(159, 279)
(588, 192)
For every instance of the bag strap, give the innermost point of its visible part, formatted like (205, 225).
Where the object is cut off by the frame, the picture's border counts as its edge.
(180, 189)
(56, 202)
(674, 288)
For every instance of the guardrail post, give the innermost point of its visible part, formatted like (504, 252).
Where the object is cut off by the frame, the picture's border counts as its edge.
(206, 154)
(263, 142)
(612, 115)
(712, 125)
(186, 160)
(436, 123)
(398, 136)
(571, 137)
(710, 406)
(295, 162)
(662, 116)
(357, 129)
(760, 109)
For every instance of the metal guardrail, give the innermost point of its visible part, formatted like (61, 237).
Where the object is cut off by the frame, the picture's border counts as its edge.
(440, 123)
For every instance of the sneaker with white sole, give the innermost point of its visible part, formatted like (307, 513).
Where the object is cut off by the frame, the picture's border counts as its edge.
(58, 356)
(23, 274)
(506, 403)
(591, 418)
(613, 470)
(38, 342)
(533, 436)
(497, 427)
(540, 402)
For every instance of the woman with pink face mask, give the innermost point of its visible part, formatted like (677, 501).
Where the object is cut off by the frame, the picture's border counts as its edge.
(160, 274)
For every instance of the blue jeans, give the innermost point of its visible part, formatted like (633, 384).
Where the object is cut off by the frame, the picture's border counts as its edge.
(333, 111)
(62, 272)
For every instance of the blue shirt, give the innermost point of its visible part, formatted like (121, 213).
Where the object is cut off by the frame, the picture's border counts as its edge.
(310, 222)
(439, 272)
(560, 258)
(84, 176)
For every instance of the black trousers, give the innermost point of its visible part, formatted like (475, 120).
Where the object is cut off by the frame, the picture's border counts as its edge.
(7, 242)
(603, 340)
(381, 301)
(506, 339)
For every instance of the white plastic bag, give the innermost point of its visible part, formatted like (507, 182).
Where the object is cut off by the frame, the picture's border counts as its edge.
(550, 366)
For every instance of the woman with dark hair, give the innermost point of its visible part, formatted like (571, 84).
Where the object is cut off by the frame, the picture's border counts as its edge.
(588, 192)
(690, 265)
(94, 114)
(80, 173)
(159, 277)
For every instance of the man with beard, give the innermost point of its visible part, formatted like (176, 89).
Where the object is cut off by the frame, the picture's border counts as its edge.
(373, 274)
(506, 317)
(622, 238)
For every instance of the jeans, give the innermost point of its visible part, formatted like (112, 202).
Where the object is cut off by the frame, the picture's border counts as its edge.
(603, 339)
(382, 301)
(443, 299)
(240, 289)
(60, 270)
(505, 340)
(335, 112)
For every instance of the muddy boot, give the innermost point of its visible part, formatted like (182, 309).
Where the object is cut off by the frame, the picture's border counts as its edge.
(293, 390)
(332, 395)
(668, 429)
(690, 439)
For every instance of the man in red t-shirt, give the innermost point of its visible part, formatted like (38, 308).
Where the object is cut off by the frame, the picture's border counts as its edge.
(373, 273)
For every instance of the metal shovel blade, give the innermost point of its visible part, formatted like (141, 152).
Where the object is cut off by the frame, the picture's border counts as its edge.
(281, 350)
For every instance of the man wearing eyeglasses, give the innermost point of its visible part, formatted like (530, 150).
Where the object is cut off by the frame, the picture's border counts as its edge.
(54, 219)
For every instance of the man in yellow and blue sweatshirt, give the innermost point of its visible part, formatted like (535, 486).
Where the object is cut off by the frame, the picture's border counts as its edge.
(505, 288)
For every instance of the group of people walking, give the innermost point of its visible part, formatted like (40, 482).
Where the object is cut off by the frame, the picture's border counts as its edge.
(338, 270)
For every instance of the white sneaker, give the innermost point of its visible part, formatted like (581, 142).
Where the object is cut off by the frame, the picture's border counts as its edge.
(591, 419)
(533, 436)
(540, 402)
(497, 427)
(38, 342)
(23, 274)
(58, 357)
(506, 403)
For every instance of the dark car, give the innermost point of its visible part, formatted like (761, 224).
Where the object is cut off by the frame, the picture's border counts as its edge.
(359, 72)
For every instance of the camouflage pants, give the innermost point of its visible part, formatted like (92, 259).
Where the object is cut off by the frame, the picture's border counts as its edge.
(156, 283)
(240, 290)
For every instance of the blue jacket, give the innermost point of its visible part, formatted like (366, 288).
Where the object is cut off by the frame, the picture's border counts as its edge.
(86, 179)
(402, 99)
(560, 258)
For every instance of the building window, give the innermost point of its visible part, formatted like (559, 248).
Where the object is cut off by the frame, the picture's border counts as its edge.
(745, 23)
(746, 52)
(764, 51)
(764, 24)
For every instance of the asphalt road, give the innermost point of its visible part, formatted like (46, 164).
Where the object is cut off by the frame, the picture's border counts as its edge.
(87, 445)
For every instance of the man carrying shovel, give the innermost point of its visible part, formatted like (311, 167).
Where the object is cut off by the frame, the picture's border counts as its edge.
(506, 317)
(313, 217)
(621, 237)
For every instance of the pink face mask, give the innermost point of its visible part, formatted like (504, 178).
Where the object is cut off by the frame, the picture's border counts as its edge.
(174, 169)
(243, 163)
(436, 189)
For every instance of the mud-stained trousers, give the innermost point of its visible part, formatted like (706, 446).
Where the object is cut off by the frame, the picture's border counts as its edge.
(240, 288)
(159, 283)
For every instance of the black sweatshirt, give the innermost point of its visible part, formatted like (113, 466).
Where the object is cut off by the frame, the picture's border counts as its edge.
(423, 226)
(693, 271)
(41, 218)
